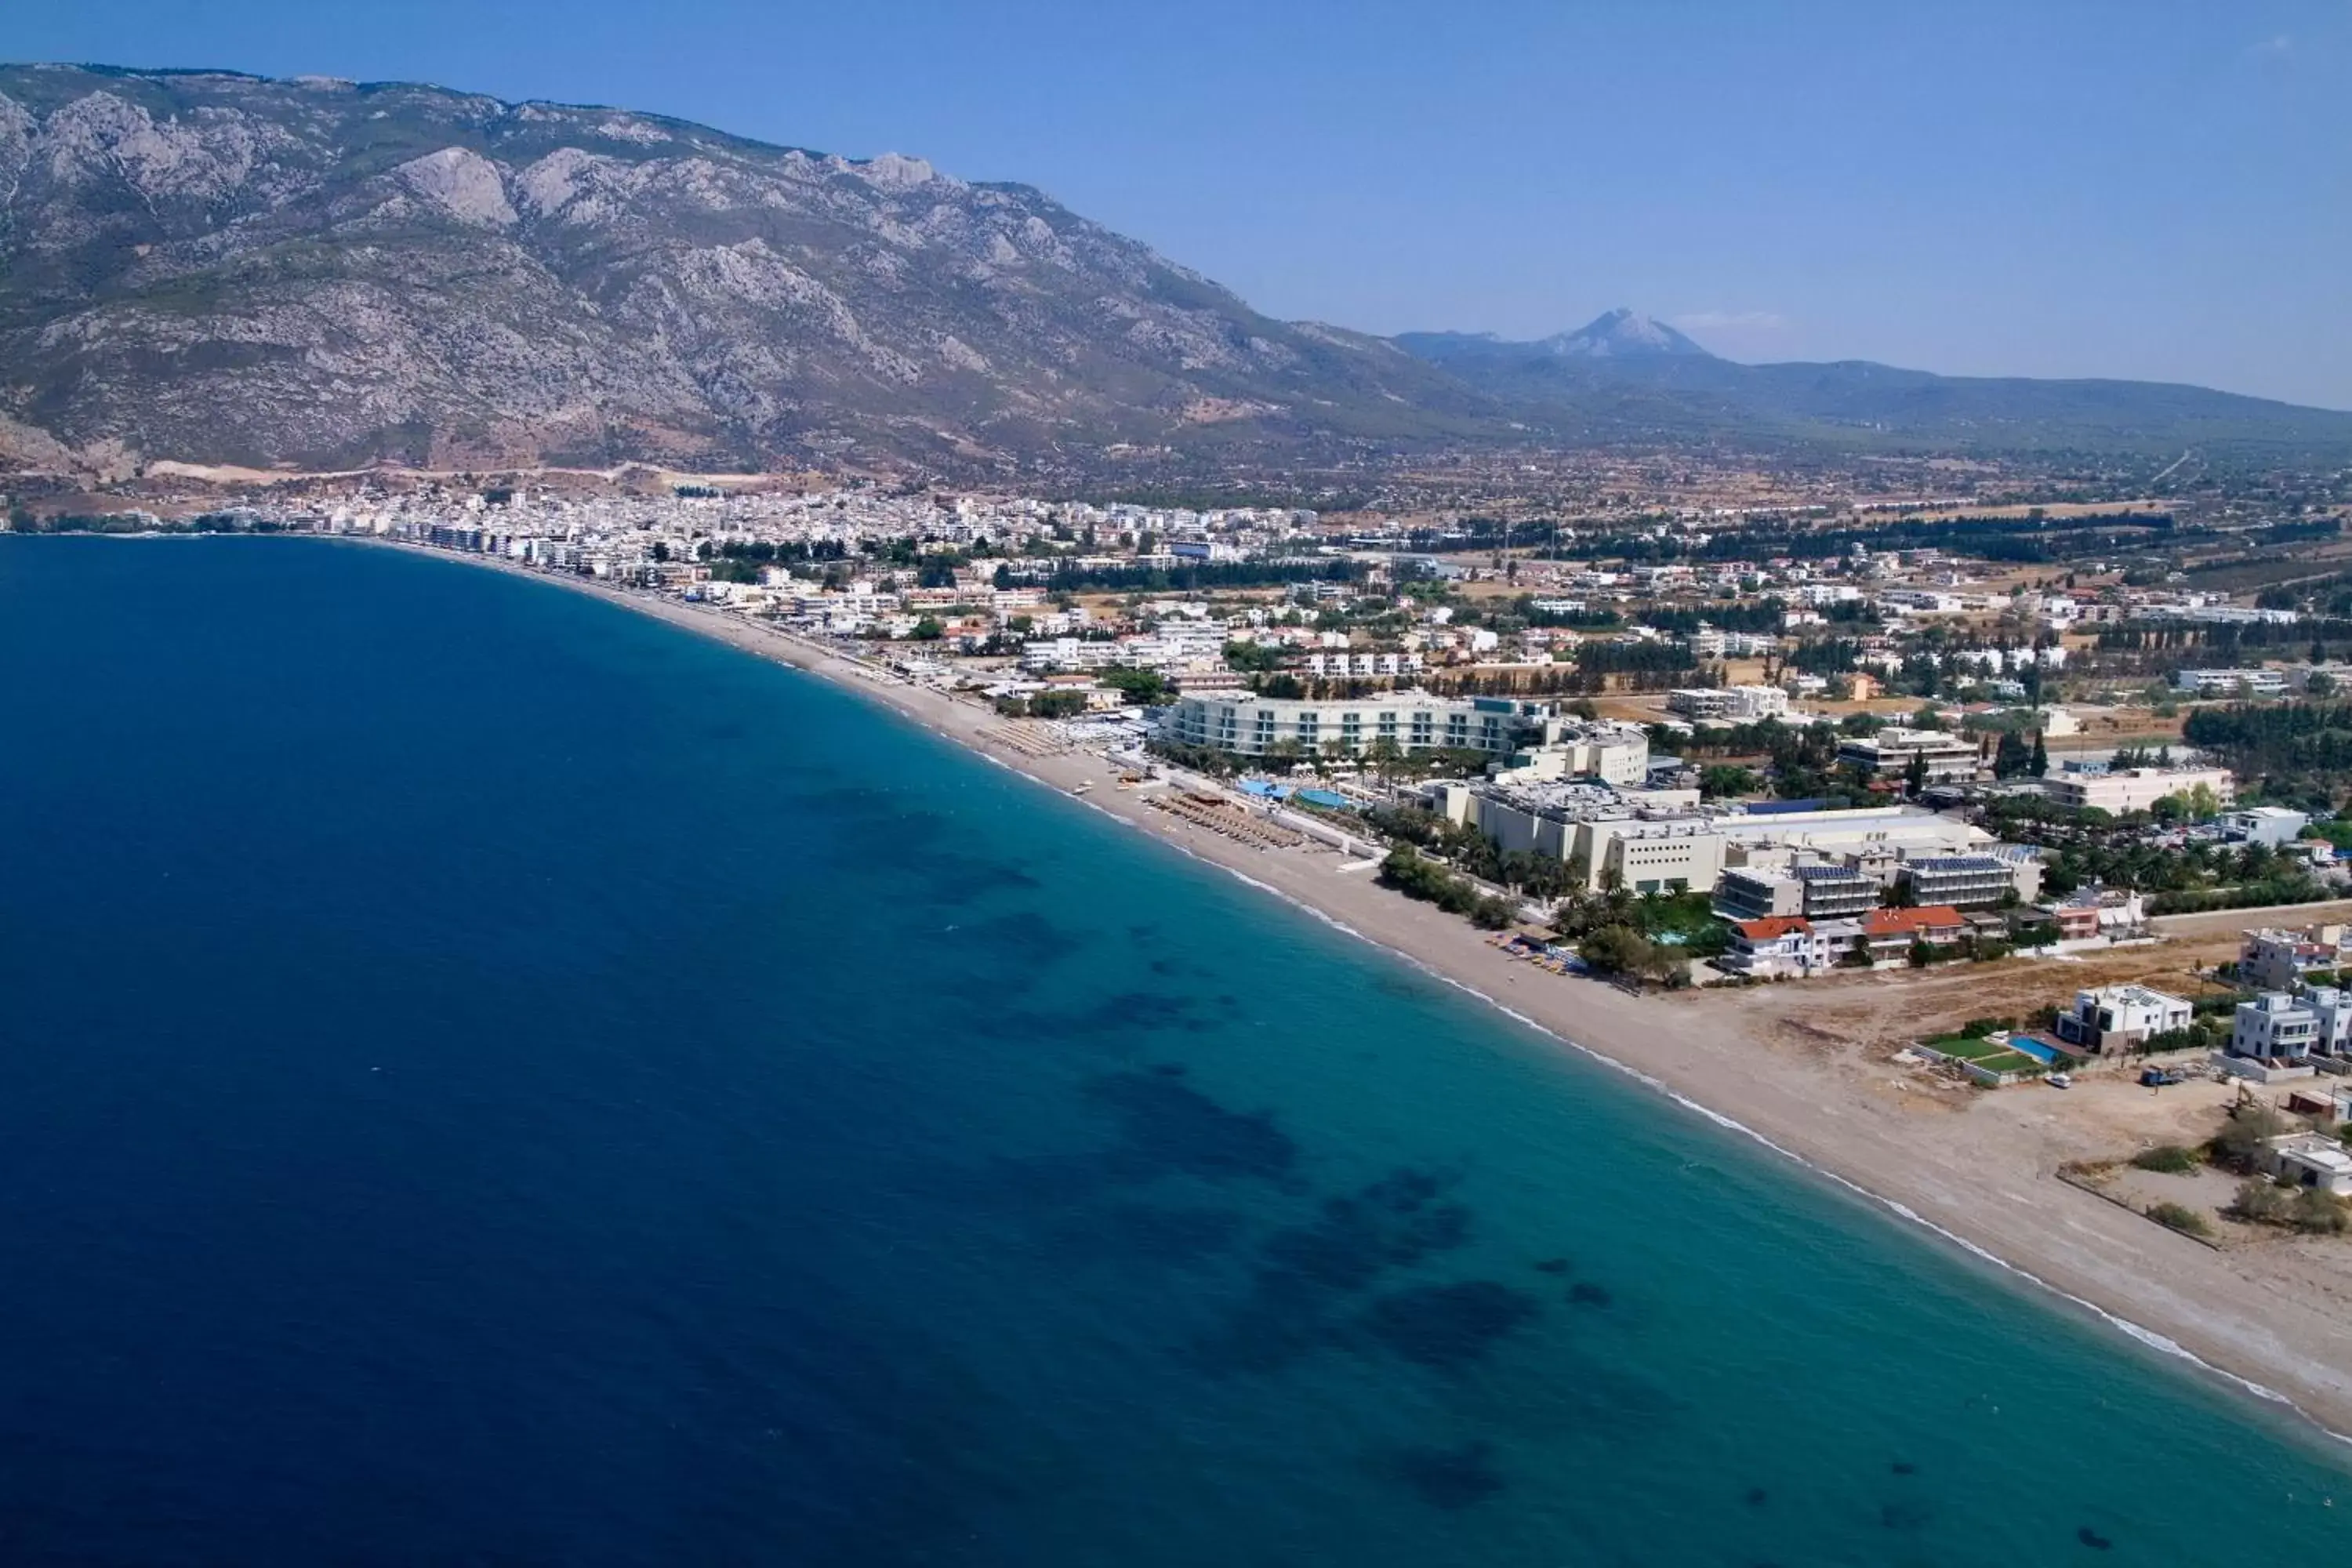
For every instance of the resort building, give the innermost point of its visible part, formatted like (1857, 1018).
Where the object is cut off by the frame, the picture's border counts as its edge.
(2115, 1017)
(1252, 725)
(1815, 892)
(1893, 751)
(2135, 789)
(1972, 881)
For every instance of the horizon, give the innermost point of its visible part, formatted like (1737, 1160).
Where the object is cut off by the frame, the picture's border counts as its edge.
(2109, 195)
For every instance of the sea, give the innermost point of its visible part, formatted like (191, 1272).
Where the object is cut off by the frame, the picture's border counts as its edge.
(487, 1077)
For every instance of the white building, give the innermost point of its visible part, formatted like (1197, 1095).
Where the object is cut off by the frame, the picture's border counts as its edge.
(2112, 1017)
(2274, 1026)
(1893, 751)
(1253, 725)
(2229, 682)
(1733, 704)
(2136, 789)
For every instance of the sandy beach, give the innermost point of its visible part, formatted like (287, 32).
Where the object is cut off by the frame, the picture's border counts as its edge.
(1980, 1169)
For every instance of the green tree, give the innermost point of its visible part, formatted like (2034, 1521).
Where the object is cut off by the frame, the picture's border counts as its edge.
(928, 630)
(2040, 765)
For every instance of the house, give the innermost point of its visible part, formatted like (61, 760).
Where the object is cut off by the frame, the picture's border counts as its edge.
(2309, 1159)
(2076, 916)
(2273, 1027)
(1892, 932)
(2114, 1017)
(1777, 945)
(2278, 960)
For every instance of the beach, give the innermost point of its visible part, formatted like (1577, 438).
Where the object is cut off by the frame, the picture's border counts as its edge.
(1978, 1170)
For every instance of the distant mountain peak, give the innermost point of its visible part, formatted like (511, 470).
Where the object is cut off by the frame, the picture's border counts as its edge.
(1622, 333)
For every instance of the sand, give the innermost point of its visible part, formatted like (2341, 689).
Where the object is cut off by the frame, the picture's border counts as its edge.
(1978, 1169)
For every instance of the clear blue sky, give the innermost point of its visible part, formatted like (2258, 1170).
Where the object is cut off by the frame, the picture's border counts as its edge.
(2152, 189)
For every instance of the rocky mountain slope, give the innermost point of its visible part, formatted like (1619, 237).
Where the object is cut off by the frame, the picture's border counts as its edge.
(226, 268)
(314, 273)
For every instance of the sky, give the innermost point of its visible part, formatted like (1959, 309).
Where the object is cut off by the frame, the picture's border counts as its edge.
(2155, 189)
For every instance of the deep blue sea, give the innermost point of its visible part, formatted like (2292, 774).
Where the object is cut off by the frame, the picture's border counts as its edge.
(486, 1077)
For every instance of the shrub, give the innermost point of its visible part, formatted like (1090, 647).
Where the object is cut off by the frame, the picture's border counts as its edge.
(2318, 1213)
(2260, 1203)
(2177, 1217)
(2169, 1158)
(1978, 1029)
(2242, 1136)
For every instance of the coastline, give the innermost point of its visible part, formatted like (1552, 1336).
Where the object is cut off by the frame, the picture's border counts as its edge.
(1982, 1178)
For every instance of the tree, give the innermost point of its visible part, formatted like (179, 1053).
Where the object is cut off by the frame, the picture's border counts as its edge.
(1617, 950)
(928, 630)
(1915, 777)
(2012, 757)
(2040, 766)
(1137, 687)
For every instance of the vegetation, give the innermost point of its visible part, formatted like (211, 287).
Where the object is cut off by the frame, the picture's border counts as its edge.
(1409, 873)
(2170, 1159)
(2179, 1217)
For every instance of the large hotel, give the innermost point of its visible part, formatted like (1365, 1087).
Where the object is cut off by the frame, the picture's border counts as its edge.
(1251, 726)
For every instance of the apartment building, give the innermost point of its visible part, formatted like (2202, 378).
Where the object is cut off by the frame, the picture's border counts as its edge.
(2230, 682)
(2274, 1026)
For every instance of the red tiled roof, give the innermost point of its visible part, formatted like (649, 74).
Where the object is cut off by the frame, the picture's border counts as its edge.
(1773, 926)
(1899, 922)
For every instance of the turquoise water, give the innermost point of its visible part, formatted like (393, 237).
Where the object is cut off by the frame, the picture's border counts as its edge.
(488, 1077)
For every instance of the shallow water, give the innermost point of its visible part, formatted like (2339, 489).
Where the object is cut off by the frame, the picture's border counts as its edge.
(488, 1077)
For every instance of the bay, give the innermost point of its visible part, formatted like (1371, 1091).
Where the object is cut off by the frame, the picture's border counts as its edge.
(487, 1077)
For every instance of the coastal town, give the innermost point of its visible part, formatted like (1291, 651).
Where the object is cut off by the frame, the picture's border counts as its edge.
(1962, 834)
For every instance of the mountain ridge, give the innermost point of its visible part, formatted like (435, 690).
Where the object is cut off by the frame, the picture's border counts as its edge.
(222, 268)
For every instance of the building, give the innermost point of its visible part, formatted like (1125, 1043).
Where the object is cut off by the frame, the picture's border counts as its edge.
(2135, 789)
(1730, 704)
(2230, 682)
(1617, 754)
(1890, 933)
(2309, 1159)
(2273, 826)
(1893, 751)
(2275, 1027)
(1252, 725)
(1815, 892)
(1972, 881)
(2278, 960)
(2114, 1017)
(1786, 945)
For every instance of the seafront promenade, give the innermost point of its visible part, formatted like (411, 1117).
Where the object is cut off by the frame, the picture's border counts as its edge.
(1982, 1176)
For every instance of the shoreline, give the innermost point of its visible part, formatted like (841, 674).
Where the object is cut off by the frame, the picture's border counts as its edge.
(1992, 1195)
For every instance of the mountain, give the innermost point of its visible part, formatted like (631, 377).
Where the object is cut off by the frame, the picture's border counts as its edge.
(221, 267)
(1624, 377)
(324, 274)
(1618, 334)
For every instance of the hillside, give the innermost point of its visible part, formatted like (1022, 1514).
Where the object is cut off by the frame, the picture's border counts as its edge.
(319, 274)
(1629, 377)
(223, 267)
